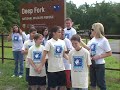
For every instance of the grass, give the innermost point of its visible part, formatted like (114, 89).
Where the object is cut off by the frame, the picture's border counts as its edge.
(8, 83)
(112, 77)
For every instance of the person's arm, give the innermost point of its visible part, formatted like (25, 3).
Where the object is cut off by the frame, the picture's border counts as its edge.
(32, 64)
(25, 51)
(42, 61)
(69, 55)
(9, 37)
(21, 32)
(24, 48)
(88, 61)
(65, 56)
(96, 57)
(84, 45)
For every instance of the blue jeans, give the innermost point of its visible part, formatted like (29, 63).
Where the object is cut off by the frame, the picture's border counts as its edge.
(97, 76)
(80, 88)
(19, 59)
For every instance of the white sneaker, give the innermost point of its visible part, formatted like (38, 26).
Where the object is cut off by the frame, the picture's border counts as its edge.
(20, 76)
(13, 76)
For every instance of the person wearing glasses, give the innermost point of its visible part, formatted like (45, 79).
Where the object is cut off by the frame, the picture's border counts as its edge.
(99, 48)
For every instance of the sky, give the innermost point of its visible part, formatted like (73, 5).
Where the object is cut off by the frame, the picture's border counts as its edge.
(80, 2)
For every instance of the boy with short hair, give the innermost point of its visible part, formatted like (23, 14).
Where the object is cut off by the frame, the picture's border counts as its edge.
(69, 30)
(80, 61)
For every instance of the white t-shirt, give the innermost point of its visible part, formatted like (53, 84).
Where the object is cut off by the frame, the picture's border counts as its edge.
(69, 33)
(27, 44)
(17, 42)
(79, 71)
(35, 53)
(24, 36)
(99, 46)
(55, 55)
(69, 47)
(27, 36)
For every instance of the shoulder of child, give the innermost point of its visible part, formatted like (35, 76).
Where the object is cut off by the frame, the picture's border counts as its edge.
(85, 50)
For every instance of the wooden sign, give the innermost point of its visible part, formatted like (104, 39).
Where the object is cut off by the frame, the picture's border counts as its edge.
(44, 14)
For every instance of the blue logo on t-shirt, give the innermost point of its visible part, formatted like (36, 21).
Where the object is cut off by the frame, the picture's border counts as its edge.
(37, 55)
(67, 35)
(78, 63)
(16, 38)
(29, 46)
(93, 49)
(58, 51)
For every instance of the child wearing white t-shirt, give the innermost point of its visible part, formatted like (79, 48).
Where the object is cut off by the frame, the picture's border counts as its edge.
(66, 62)
(17, 38)
(27, 44)
(80, 62)
(36, 79)
(69, 30)
(55, 48)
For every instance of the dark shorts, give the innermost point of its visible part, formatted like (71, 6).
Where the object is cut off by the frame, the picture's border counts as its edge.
(56, 79)
(37, 80)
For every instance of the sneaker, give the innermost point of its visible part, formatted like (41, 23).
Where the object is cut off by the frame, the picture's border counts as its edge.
(13, 76)
(20, 76)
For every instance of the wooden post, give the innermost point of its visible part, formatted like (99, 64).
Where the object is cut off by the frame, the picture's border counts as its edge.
(2, 41)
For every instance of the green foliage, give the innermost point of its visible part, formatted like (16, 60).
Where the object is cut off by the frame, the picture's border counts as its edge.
(77, 27)
(1, 21)
(8, 14)
(84, 15)
(106, 13)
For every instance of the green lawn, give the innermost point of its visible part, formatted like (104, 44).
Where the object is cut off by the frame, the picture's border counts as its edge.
(112, 77)
(6, 81)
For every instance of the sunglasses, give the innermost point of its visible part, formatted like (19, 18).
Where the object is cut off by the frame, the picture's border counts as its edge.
(92, 29)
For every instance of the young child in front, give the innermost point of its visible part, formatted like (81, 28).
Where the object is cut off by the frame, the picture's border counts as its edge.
(36, 79)
(80, 61)
(17, 38)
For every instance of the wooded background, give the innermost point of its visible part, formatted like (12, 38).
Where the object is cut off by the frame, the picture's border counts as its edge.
(83, 16)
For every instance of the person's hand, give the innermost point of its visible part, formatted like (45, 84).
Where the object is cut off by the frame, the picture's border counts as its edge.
(39, 69)
(96, 57)
(22, 51)
(36, 69)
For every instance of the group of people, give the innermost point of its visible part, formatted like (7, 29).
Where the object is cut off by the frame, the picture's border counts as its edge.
(59, 58)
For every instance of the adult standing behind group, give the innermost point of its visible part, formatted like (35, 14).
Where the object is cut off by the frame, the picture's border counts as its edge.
(16, 36)
(69, 30)
(99, 48)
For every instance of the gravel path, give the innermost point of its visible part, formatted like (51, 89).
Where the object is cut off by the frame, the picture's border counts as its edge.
(115, 46)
